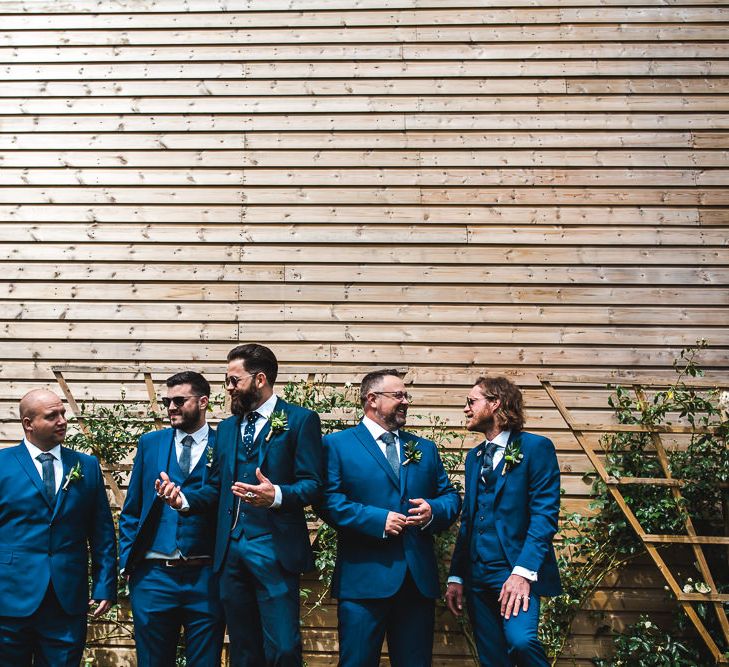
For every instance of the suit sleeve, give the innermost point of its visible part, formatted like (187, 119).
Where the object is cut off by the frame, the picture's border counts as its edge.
(308, 464)
(341, 512)
(543, 506)
(132, 510)
(446, 504)
(102, 543)
(459, 562)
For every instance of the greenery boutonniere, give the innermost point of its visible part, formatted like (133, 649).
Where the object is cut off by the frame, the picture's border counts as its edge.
(279, 424)
(513, 456)
(74, 475)
(209, 456)
(412, 453)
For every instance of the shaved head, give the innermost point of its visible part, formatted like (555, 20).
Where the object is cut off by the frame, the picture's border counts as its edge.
(42, 416)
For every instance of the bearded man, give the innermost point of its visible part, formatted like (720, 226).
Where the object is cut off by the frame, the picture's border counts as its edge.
(267, 469)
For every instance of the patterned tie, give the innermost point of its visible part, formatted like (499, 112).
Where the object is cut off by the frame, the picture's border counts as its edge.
(488, 460)
(249, 433)
(186, 455)
(391, 452)
(49, 475)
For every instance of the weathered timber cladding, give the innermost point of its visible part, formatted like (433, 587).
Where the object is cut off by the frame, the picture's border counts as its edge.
(448, 186)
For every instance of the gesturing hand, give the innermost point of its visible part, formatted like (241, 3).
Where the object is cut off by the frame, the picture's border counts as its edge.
(167, 490)
(514, 596)
(395, 523)
(421, 512)
(258, 495)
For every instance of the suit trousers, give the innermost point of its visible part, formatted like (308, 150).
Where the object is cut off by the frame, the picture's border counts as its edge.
(164, 599)
(261, 603)
(47, 638)
(500, 642)
(406, 619)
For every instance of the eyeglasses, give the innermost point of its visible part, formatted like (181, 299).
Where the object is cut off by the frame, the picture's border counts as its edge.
(179, 401)
(470, 401)
(233, 381)
(397, 395)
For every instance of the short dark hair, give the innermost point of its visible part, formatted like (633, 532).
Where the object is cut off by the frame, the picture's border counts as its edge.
(372, 379)
(256, 359)
(199, 384)
(510, 414)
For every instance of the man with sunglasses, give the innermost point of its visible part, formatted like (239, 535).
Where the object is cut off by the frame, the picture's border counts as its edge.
(386, 494)
(268, 469)
(503, 558)
(167, 555)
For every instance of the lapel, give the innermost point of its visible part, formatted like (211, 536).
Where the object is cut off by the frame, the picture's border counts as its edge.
(26, 463)
(238, 443)
(404, 470)
(69, 458)
(364, 436)
(165, 451)
(262, 444)
(211, 444)
(472, 477)
(501, 479)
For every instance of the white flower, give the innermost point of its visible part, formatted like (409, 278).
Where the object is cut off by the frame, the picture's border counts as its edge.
(724, 400)
(688, 588)
(702, 587)
(648, 624)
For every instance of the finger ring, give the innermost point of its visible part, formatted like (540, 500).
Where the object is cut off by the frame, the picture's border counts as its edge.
(250, 494)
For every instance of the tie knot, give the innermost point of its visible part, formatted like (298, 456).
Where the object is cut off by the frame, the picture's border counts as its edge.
(490, 449)
(388, 438)
(188, 441)
(45, 456)
(252, 417)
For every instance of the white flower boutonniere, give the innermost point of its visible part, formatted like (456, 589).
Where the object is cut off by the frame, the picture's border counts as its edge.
(74, 475)
(412, 453)
(513, 456)
(209, 456)
(279, 424)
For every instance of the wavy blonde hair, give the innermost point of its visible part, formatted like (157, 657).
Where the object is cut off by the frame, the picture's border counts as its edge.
(510, 415)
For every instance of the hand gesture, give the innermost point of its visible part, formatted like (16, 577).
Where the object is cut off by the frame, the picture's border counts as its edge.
(167, 490)
(395, 523)
(420, 514)
(258, 495)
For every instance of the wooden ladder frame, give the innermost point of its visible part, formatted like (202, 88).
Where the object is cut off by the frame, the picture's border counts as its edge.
(613, 484)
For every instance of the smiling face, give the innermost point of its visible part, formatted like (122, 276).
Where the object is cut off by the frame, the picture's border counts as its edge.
(190, 416)
(43, 418)
(387, 409)
(247, 390)
(480, 411)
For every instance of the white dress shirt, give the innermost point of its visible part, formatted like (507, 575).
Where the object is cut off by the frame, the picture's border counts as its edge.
(501, 440)
(57, 465)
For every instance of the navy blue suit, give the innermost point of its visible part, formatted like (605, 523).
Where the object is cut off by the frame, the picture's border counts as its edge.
(44, 550)
(260, 552)
(522, 509)
(385, 585)
(167, 598)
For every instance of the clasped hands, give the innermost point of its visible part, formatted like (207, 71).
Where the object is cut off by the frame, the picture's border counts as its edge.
(419, 515)
(258, 495)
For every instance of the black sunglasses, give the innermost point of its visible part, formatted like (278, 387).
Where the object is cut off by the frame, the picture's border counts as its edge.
(234, 380)
(179, 401)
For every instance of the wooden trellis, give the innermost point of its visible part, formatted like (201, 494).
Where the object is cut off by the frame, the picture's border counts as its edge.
(613, 484)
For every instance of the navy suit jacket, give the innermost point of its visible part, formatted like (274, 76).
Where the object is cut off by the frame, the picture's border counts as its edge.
(293, 459)
(142, 510)
(526, 512)
(361, 489)
(42, 542)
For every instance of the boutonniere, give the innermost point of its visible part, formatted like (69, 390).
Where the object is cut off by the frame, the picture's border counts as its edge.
(279, 424)
(412, 453)
(209, 456)
(74, 475)
(513, 456)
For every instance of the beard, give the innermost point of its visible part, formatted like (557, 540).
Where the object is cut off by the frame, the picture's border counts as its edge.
(242, 403)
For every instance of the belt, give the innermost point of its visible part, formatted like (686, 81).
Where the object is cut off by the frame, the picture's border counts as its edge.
(183, 562)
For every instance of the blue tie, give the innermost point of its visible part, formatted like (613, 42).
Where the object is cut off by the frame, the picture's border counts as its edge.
(186, 455)
(249, 433)
(49, 475)
(488, 460)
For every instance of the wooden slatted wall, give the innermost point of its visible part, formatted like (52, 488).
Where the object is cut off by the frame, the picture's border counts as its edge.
(522, 186)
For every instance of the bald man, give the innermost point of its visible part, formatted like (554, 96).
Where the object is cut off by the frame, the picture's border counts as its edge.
(53, 512)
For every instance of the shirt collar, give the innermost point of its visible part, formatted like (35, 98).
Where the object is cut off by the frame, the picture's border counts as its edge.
(501, 440)
(265, 410)
(375, 429)
(35, 451)
(198, 436)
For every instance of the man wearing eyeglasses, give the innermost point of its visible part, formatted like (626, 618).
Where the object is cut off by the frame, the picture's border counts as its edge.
(387, 494)
(503, 558)
(167, 555)
(269, 468)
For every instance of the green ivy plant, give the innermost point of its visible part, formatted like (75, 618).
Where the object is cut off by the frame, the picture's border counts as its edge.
(603, 542)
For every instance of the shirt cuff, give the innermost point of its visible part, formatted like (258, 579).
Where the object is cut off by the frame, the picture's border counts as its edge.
(185, 505)
(427, 524)
(277, 497)
(523, 572)
(455, 580)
